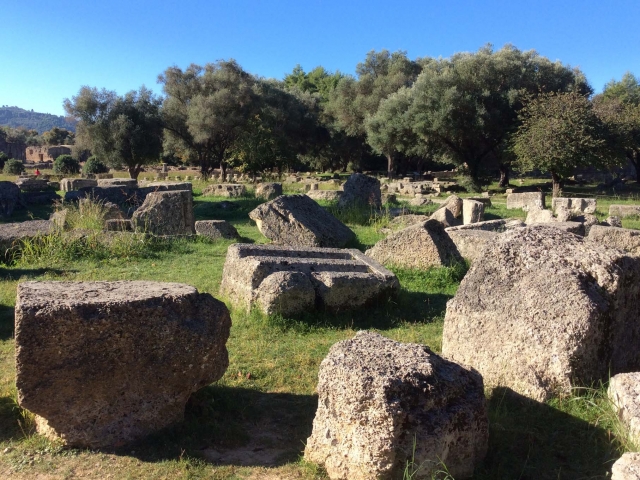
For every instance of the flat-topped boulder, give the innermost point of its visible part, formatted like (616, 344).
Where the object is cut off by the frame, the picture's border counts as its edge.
(622, 211)
(361, 190)
(326, 195)
(293, 280)
(422, 245)
(102, 364)
(574, 205)
(542, 308)
(216, 229)
(268, 191)
(71, 184)
(9, 198)
(10, 233)
(298, 221)
(112, 182)
(167, 186)
(229, 190)
(498, 225)
(539, 215)
(453, 203)
(471, 243)
(404, 221)
(383, 404)
(525, 200)
(27, 184)
(625, 239)
(577, 228)
(166, 213)
(626, 467)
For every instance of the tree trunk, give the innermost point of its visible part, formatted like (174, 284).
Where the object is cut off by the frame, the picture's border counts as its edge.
(504, 175)
(391, 165)
(635, 161)
(223, 171)
(557, 185)
(134, 172)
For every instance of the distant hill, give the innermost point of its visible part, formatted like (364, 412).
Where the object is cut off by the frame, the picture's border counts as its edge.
(19, 117)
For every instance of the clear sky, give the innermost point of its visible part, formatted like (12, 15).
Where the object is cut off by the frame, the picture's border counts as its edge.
(50, 49)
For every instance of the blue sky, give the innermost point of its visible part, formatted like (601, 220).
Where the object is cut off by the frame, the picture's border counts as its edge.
(51, 49)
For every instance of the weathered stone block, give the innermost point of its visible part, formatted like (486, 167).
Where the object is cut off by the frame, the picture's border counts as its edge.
(627, 467)
(622, 211)
(166, 213)
(103, 364)
(471, 243)
(11, 233)
(361, 190)
(326, 195)
(574, 205)
(472, 211)
(291, 280)
(525, 200)
(624, 393)
(230, 190)
(539, 215)
(542, 308)
(624, 239)
(113, 182)
(216, 229)
(71, 184)
(27, 184)
(453, 203)
(498, 225)
(297, 220)
(378, 399)
(268, 191)
(422, 245)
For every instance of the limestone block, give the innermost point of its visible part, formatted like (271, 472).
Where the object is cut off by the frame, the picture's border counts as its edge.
(624, 393)
(103, 364)
(216, 229)
(297, 220)
(422, 245)
(376, 397)
(291, 280)
(472, 211)
(453, 203)
(326, 195)
(112, 182)
(12, 233)
(361, 190)
(229, 190)
(538, 215)
(525, 200)
(575, 205)
(542, 308)
(268, 191)
(471, 243)
(71, 184)
(627, 467)
(624, 239)
(166, 213)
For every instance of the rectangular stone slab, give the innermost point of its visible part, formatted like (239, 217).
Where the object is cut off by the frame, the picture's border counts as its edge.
(248, 265)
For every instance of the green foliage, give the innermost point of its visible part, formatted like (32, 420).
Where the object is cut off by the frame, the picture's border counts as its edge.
(627, 90)
(123, 130)
(66, 165)
(58, 136)
(318, 81)
(94, 165)
(3, 158)
(13, 167)
(559, 132)
(40, 122)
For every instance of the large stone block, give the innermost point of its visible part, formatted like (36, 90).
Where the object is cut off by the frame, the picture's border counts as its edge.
(624, 211)
(326, 195)
(166, 213)
(472, 211)
(298, 221)
(230, 190)
(11, 233)
(625, 239)
(27, 184)
(574, 205)
(71, 184)
(471, 243)
(361, 190)
(9, 198)
(525, 200)
(453, 203)
(627, 467)
(103, 364)
(498, 225)
(216, 229)
(117, 182)
(543, 309)
(292, 280)
(624, 393)
(422, 245)
(382, 404)
(268, 191)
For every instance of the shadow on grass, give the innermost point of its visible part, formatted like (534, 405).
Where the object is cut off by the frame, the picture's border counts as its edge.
(234, 426)
(530, 440)
(32, 212)
(235, 209)
(12, 425)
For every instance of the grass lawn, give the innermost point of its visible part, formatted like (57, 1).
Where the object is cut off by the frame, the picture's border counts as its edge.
(254, 422)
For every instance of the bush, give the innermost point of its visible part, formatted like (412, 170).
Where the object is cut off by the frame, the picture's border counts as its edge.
(93, 165)
(66, 164)
(3, 158)
(13, 167)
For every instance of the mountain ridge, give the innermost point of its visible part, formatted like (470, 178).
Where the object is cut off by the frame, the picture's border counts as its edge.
(19, 117)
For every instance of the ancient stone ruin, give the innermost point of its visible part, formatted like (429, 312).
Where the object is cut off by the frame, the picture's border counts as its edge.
(11, 233)
(268, 191)
(574, 205)
(525, 200)
(290, 280)
(298, 221)
(627, 467)
(624, 239)
(166, 213)
(103, 364)
(325, 195)
(383, 403)
(229, 190)
(624, 393)
(421, 245)
(622, 211)
(216, 229)
(361, 190)
(543, 309)
(472, 211)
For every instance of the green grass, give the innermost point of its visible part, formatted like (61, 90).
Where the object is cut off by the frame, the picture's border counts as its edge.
(268, 393)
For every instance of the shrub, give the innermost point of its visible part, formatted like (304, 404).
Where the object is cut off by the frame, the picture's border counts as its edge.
(3, 158)
(66, 164)
(13, 167)
(93, 165)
